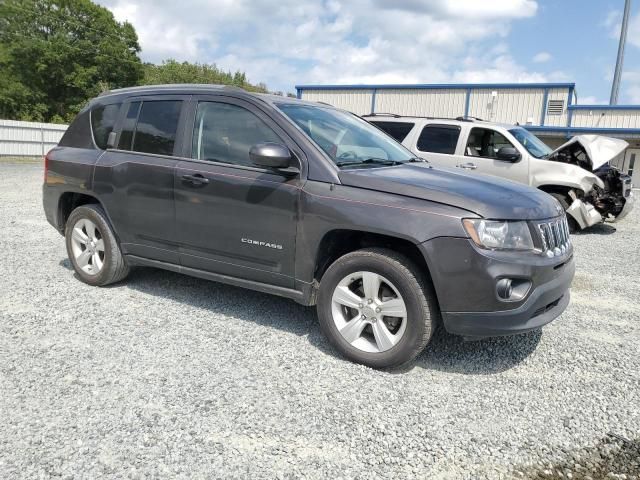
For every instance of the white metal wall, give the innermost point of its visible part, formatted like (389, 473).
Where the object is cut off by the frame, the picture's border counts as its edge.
(356, 101)
(420, 102)
(600, 118)
(507, 105)
(28, 139)
(556, 120)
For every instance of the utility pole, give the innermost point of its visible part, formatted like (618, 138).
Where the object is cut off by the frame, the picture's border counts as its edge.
(623, 39)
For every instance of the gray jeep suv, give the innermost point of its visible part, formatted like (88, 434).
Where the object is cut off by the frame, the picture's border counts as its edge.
(308, 202)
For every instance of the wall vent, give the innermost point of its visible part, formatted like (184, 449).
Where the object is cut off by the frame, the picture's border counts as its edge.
(555, 107)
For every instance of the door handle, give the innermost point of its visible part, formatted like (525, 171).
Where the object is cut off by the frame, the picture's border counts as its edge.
(195, 179)
(468, 166)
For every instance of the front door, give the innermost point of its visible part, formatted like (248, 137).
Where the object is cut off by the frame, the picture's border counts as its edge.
(234, 218)
(632, 165)
(481, 155)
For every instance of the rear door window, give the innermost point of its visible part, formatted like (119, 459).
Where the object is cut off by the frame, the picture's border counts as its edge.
(129, 126)
(439, 139)
(398, 130)
(103, 119)
(151, 127)
(157, 126)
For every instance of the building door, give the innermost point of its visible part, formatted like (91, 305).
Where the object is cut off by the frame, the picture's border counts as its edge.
(632, 166)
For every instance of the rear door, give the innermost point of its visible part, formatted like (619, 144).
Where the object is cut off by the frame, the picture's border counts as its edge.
(437, 142)
(234, 218)
(135, 179)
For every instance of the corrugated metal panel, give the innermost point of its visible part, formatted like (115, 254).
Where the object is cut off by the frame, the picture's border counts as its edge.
(602, 118)
(21, 139)
(507, 105)
(557, 94)
(421, 102)
(356, 101)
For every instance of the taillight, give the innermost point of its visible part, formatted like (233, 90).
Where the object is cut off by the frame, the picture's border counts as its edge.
(46, 165)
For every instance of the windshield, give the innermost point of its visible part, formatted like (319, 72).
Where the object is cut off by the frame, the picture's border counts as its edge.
(533, 144)
(348, 140)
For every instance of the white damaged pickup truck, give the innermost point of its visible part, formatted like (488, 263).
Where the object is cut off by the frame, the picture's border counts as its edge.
(578, 173)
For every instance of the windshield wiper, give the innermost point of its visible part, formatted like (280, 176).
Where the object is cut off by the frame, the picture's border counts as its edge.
(372, 160)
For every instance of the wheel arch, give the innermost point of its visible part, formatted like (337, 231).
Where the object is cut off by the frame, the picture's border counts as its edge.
(69, 201)
(338, 242)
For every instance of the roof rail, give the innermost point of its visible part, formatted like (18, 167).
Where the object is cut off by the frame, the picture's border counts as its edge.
(395, 115)
(178, 86)
(469, 118)
(382, 114)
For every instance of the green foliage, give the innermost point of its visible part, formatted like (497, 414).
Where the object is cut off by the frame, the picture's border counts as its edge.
(56, 54)
(171, 71)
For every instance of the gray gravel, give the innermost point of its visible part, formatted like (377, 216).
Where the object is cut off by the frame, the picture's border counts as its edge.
(175, 377)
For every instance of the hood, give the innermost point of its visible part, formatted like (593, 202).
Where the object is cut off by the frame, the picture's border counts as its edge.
(599, 149)
(489, 197)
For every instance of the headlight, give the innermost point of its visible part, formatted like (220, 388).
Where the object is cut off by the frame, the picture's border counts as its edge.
(501, 235)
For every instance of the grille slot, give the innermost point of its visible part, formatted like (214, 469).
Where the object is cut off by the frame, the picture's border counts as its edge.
(555, 236)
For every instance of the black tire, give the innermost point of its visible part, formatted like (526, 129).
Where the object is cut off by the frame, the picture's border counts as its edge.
(421, 305)
(114, 266)
(564, 201)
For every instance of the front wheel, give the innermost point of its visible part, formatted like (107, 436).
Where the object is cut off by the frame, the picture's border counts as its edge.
(375, 308)
(564, 201)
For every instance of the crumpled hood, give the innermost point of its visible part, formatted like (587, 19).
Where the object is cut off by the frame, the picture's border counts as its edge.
(489, 197)
(599, 149)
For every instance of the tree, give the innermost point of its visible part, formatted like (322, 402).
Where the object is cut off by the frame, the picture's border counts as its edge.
(171, 71)
(57, 54)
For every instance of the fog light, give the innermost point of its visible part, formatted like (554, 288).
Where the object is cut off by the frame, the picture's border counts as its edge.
(504, 288)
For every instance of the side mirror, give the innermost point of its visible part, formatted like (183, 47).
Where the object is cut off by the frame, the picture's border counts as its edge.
(270, 155)
(510, 154)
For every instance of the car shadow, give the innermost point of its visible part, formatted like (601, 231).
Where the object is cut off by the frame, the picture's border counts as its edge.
(597, 229)
(451, 353)
(445, 352)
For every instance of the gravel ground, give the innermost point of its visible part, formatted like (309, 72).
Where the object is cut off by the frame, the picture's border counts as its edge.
(169, 376)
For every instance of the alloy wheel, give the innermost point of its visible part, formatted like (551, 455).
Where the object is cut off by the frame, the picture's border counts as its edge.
(369, 312)
(87, 246)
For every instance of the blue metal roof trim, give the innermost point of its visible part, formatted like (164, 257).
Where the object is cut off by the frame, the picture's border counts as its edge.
(436, 86)
(537, 128)
(604, 107)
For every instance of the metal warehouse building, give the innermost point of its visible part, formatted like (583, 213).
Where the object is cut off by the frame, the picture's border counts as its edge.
(550, 110)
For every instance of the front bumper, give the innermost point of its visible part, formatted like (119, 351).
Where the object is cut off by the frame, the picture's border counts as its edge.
(628, 206)
(465, 279)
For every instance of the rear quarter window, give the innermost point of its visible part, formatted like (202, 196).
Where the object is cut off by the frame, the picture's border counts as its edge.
(78, 135)
(398, 130)
(103, 119)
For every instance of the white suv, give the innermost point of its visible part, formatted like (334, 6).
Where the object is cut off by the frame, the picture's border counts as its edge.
(577, 173)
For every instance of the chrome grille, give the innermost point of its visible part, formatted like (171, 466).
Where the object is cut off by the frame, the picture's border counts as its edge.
(555, 236)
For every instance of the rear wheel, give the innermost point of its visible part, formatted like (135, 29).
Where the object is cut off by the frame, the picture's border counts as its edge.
(564, 201)
(375, 309)
(92, 247)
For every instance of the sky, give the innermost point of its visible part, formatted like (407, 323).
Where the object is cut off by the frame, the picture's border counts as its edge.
(284, 43)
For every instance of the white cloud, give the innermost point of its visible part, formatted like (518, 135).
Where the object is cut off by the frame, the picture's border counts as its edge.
(336, 41)
(541, 57)
(613, 23)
